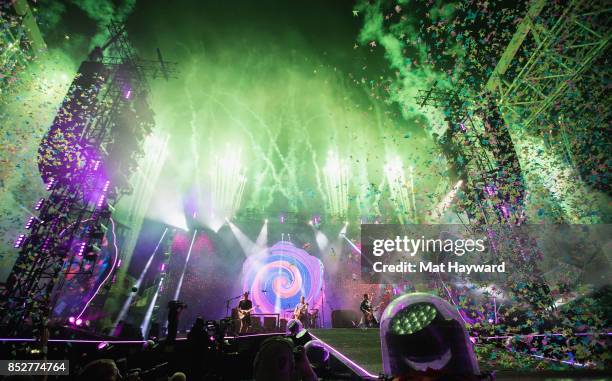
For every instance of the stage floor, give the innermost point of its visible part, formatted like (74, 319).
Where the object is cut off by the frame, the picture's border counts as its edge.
(362, 347)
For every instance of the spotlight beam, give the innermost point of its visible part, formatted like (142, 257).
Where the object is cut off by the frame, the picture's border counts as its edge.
(262, 238)
(245, 243)
(351, 243)
(128, 301)
(144, 327)
(322, 241)
(180, 282)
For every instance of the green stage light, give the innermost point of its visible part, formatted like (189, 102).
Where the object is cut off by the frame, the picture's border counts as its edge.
(413, 319)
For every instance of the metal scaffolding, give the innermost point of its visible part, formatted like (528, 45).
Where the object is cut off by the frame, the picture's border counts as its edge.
(546, 55)
(481, 156)
(85, 159)
(550, 83)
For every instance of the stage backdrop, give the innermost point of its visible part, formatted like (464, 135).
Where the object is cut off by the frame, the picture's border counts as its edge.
(278, 276)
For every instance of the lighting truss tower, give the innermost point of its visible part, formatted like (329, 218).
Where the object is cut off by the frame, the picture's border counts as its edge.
(557, 50)
(547, 86)
(85, 159)
(481, 155)
(551, 83)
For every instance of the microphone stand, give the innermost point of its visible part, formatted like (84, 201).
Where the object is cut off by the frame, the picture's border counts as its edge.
(322, 309)
(227, 305)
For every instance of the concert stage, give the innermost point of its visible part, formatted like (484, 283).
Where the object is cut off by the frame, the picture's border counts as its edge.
(359, 350)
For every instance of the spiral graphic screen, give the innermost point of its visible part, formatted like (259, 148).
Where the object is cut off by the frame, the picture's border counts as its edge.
(278, 276)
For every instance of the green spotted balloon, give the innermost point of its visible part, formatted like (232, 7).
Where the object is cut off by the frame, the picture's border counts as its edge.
(413, 319)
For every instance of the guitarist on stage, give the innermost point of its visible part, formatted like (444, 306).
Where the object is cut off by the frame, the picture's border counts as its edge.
(367, 313)
(301, 311)
(245, 307)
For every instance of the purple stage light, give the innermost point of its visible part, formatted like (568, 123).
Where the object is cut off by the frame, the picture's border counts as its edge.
(50, 184)
(29, 223)
(396, 321)
(39, 204)
(19, 241)
(81, 249)
(103, 195)
(163, 267)
(78, 322)
(71, 319)
(102, 345)
(45, 245)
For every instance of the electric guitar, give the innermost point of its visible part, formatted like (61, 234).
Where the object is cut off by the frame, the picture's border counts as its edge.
(245, 313)
(299, 314)
(369, 315)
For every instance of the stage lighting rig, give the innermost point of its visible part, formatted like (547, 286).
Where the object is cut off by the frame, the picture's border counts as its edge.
(85, 159)
(481, 154)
